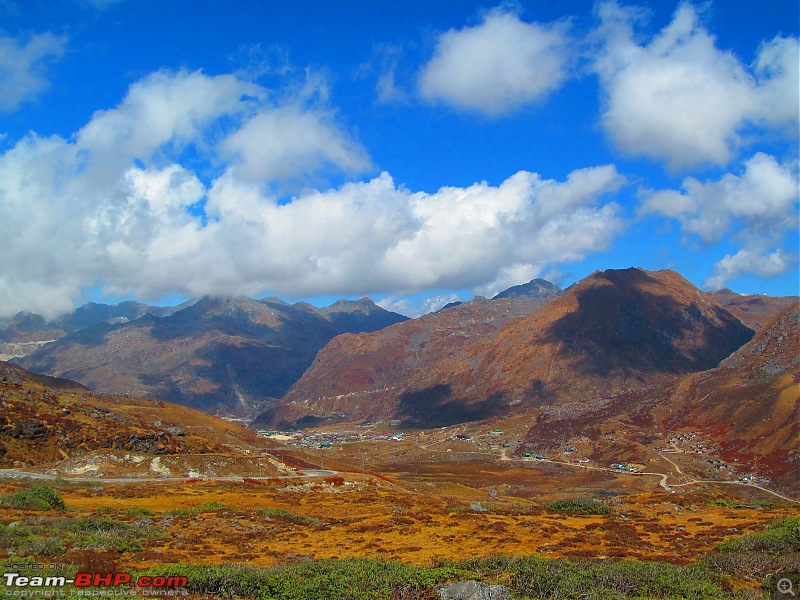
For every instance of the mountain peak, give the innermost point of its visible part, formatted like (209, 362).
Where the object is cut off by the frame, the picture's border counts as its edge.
(536, 288)
(361, 305)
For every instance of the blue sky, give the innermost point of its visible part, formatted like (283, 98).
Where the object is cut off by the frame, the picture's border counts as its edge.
(414, 152)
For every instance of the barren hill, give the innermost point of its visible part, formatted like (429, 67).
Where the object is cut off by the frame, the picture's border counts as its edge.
(218, 355)
(614, 331)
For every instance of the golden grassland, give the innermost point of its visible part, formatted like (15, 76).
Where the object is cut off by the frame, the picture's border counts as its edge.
(265, 523)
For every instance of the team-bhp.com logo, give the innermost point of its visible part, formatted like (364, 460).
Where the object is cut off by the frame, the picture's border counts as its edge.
(36, 585)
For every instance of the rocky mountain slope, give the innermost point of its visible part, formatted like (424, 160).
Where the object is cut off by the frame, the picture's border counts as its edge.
(613, 332)
(46, 419)
(230, 355)
(353, 372)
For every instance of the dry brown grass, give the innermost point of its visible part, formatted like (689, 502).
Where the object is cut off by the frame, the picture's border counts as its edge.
(366, 517)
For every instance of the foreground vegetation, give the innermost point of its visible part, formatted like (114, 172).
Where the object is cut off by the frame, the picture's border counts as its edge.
(39, 497)
(745, 567)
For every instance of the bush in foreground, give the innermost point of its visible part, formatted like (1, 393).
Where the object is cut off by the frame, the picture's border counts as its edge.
(40, 497)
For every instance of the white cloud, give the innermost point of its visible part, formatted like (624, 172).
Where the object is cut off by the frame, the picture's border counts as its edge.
(756, 208)
(777, 69)
(23, 67)
(416, 307)
(760, 203)
(385, 63)
(681, 99)
(748, 262)
(497, 66)
(509, 277)
(387, 88)
(467, 234)
(291, 142)
(168, 108)
(116, 208)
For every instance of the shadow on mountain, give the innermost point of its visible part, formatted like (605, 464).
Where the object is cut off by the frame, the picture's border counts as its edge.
(623, 327)
(540, 395)
(90, 337)
(171, 392)
(435, 407)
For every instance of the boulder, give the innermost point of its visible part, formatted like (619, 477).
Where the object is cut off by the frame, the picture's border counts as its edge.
(474, 590)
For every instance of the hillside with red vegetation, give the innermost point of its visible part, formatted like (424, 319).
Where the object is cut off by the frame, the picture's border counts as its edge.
(46, 419)
(750, 404)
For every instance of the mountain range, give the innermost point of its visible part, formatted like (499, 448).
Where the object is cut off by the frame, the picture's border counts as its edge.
(613, 365)
(221, 355)
(355, 372)
(614, 331)
(533, 344)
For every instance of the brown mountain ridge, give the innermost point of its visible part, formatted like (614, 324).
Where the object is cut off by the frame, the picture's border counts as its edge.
(355, 370)
(614, 331)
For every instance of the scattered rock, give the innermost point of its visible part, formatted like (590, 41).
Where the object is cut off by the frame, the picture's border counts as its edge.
(474, 590)
(299, 558)
(30, 430)
(477, 507)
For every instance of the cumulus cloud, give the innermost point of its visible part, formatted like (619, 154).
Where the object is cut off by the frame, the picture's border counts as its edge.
(757, 208)
(291, 142)
(167, 108)
(118, 206)
(498, 66)
(681, 99)
(748, 262)
(760, 202)
(23, 67)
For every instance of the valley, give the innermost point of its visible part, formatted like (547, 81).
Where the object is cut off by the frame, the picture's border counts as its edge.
(630, 417)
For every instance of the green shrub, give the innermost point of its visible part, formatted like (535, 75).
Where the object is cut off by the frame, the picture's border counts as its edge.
(355, 579)
(579, 506)
(52, 536)
(290, 516)
(536, 577)
(193, 510)
(783, 536)
(758, 555)
(40, 497)
(728, 503)
(531, 577)
(24, 540)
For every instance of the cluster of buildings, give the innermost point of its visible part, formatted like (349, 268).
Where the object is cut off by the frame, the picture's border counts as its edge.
(327, 439)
